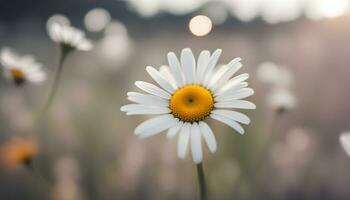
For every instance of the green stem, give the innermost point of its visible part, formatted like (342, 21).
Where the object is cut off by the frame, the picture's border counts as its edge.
(201, 181)
(48, 103)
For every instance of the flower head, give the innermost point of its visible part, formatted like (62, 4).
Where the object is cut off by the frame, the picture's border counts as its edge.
(69, 37)
(281, 100)
(18, 152)
(190, 92)
(21, 69)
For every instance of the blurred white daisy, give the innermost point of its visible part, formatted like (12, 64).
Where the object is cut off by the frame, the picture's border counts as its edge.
(190, 92)
(281, 100)
(59, 19)
(21, 69)
(344, 140)
(275, 75)
(69, 37)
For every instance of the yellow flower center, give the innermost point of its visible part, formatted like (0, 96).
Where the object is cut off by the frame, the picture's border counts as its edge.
(192, 103)
(16, 73)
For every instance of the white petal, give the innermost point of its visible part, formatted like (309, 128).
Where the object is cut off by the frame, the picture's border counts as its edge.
(174, 130)
(240, 86)
(147, 99)
(232, 89)
(51, 32)
(344, 140)
(237, 116)
(136, 107)
(153, 123)
(37, 77)
(152, 89)
(54, 32)
(238, 104)
(149, 111)
(31, 68)
(158, 129)
(157, 77)
(231, 84)
(175, 69)
(216, 76)
(165, 71)
(196, 146)
(238, 94)
(188, 65)
(208, 136)
(232, 123)
(232, 68)
(85, 45)
(129, 107)
(184, 139)
(203, 61)
(211, 65)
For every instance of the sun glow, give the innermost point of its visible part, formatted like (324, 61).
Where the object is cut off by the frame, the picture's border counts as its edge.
(200, 25)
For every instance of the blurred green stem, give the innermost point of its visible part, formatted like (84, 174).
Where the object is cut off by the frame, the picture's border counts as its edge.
(201, 181)
(64, 52)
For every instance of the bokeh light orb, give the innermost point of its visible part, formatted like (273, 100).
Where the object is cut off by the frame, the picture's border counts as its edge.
(319, 9)
(97, 19)
(334, 8)
(116, 28)
(115, 47)
(200, 25)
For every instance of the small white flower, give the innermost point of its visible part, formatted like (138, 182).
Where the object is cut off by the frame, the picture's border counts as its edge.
(281, 100)
(59, 19)
(275, 75)
(190, 92)
(280, 78)
(344, 140)
(69, 37)
(21, 69)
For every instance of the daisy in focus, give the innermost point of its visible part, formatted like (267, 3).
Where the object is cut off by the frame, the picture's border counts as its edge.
(18, 152)
(21, 69)
(68, 37)
(190, 92)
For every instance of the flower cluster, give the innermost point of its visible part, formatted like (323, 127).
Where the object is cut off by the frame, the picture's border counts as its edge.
(24, 68)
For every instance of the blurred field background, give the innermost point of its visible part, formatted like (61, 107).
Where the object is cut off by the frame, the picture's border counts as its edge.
(86, 146)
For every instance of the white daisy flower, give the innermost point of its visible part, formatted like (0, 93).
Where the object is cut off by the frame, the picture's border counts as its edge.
(190, 92)
(69, 37)
(344, 140)
(21, 69)
(281, 100)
